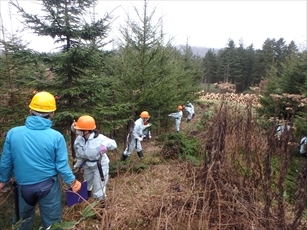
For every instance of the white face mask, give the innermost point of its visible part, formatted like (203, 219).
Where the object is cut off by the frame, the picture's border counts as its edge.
(79, 132)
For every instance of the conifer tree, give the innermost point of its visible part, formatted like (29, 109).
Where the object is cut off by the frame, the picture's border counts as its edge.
(78, 75)
(152, 75)
(210, 65)
(20, 69)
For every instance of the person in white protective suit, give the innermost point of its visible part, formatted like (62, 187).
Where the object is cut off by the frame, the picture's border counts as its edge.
(190, 110)
(146, 131)
(177, 116)
(135, 136)
(303, 144)
(280, 129)
(91, 147)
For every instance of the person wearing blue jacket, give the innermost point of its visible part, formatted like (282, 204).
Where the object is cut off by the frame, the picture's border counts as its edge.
(35, 154)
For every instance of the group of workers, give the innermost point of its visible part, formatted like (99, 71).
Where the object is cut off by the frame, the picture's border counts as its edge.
(35, 154)
(286, 127)
(189, 108)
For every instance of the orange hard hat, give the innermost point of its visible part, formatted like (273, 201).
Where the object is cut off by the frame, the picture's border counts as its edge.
(85, 122)
(180, 107)
(144, 114)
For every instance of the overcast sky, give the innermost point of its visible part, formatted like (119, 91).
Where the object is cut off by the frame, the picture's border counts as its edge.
(200, 23)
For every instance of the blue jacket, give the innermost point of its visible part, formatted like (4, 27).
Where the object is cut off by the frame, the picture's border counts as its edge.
(34, 152)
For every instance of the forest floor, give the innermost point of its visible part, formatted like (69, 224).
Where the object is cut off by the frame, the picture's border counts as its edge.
(131, 194)
(155, 193)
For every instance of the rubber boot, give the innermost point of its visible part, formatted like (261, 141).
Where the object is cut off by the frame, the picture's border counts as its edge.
(89, 193)
(124, 157)
(140, 154)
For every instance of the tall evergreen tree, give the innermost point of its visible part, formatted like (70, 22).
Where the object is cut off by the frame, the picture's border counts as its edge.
(153, 77)
(228, 63)
(210, 66)
(78, 75)
(20, 69)
(246, 60)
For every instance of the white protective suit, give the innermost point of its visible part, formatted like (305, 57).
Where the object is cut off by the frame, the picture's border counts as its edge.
(190, 110)
(88, 153)
(280, 129)
(303, 144)
(177, 117)
(136, 139)
(146, 131)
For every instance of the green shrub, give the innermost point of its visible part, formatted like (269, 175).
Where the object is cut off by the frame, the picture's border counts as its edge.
(179, 146)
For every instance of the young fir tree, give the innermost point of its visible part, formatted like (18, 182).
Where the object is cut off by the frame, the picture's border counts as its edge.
(20, 69)
(151, 74)
(78, 75)
(193, 69)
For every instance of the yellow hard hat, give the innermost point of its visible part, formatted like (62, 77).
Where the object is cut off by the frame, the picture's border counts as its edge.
(43, 102)
(85, 122)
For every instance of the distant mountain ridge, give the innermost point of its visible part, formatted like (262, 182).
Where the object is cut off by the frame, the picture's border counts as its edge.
(199, 50)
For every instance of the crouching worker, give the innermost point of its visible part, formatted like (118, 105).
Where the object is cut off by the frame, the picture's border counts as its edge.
(37, 154)
(135, 136)
(91, 147)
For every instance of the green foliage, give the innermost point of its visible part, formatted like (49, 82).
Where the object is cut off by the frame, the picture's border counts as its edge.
(291, 179)
(78, 72)
(289, 77)
(179, 146)
(87, 212)
(301, 126)
(153, 77)
(20, 68)
(210, 68)
(290, 184)
(130, 165)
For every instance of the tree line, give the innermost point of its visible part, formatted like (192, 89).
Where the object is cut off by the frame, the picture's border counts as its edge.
(245, 66)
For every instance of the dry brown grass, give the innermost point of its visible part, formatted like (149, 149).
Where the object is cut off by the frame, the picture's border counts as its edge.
(233, 188)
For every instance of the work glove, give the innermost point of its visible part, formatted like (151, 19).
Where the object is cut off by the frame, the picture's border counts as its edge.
(76, 185)
(103, 149)
(140, 138)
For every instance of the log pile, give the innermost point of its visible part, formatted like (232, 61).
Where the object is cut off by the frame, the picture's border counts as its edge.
(232, 97)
